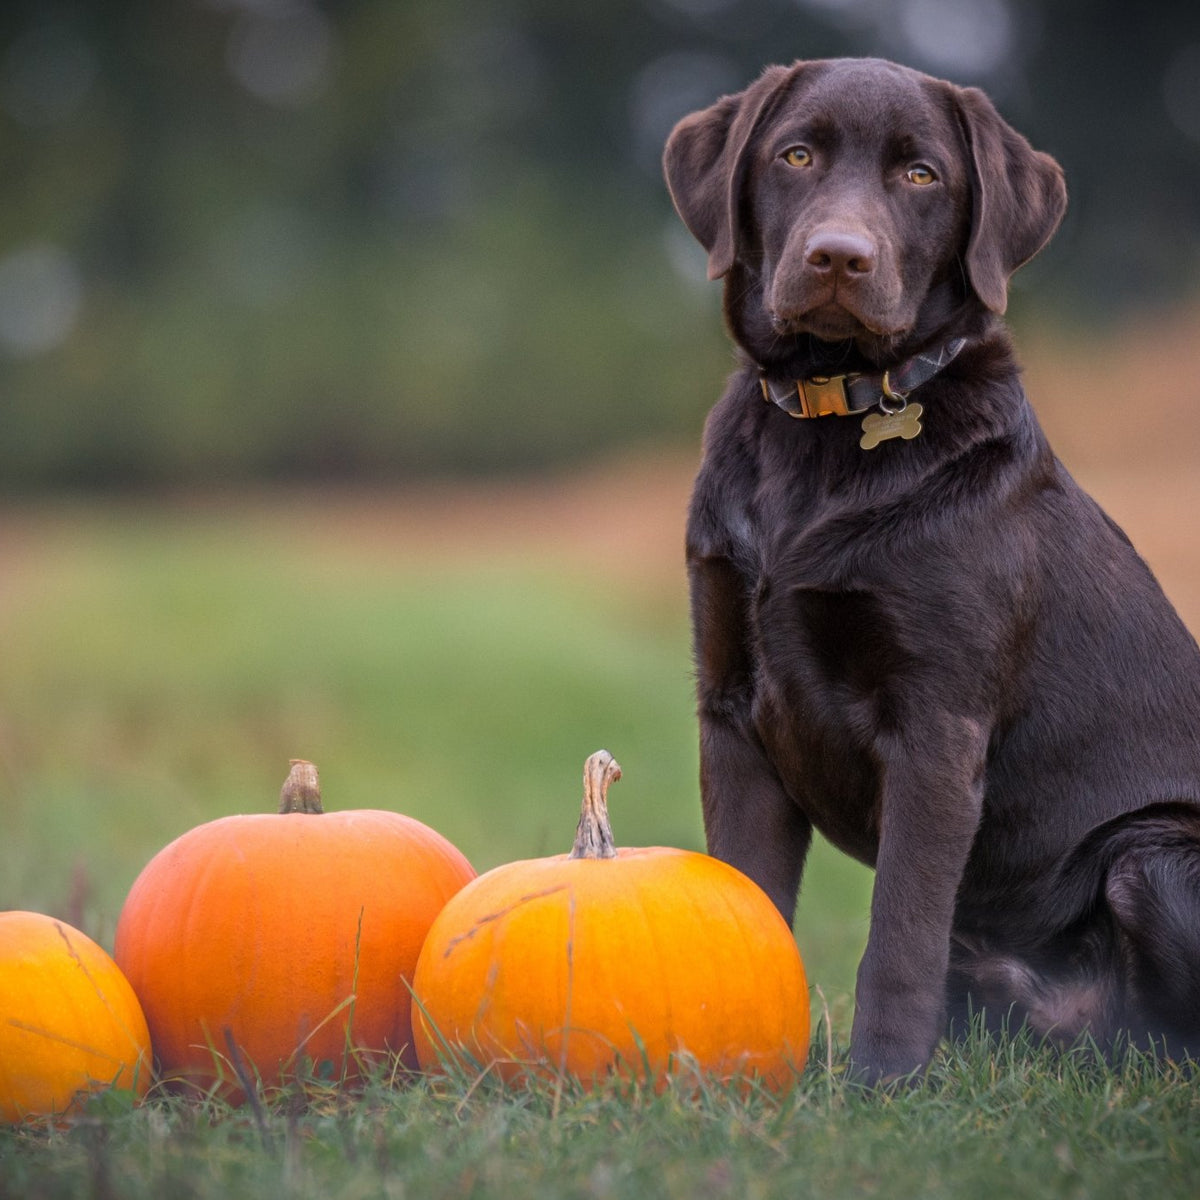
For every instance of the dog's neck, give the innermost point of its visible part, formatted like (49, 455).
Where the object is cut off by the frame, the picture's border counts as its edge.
(859, 392)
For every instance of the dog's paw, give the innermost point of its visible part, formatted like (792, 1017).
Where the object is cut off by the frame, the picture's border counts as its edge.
(883, 1076)
(886, 1063)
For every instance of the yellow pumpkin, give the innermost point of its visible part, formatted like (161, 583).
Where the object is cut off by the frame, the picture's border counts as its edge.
(642, 961)
(70, 1023)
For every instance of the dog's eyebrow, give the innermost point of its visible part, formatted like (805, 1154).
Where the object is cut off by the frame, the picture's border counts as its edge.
(923, 143)
(818, 132)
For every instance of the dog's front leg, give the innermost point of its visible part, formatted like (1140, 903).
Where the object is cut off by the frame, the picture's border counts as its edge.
(930, 803)
(750, 821)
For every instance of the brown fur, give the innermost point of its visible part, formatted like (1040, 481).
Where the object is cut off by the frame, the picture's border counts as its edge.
(940, 653)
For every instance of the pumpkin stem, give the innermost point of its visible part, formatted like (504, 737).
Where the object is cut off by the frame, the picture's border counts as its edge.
(301, 791)
(593, 834)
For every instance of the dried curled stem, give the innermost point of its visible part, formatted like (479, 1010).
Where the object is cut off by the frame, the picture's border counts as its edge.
(301, 791)
(593, 834)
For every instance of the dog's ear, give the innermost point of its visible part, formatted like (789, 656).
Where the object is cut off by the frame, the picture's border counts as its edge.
(705, 164)
(1018, 198)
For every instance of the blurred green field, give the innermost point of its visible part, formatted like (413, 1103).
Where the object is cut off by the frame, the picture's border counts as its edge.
(163, 661)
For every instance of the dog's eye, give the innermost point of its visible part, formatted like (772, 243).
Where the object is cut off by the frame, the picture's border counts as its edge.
(798, 156)
(921, 175)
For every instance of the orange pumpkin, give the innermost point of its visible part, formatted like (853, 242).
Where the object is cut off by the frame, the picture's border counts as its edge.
(290, 935)
(641, 961)
(70, 1024)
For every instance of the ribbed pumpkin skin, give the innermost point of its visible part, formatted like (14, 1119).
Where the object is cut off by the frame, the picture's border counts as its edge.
(637, 957)
(252, 923)
(69, 1021)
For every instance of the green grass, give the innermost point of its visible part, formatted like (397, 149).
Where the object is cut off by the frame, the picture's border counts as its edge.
(160, 667)
(990, 1121)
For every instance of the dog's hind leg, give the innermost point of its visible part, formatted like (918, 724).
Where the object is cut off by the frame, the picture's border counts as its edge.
(1153, 892)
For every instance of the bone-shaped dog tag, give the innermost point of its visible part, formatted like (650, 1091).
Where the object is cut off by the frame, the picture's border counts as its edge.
(879, 427)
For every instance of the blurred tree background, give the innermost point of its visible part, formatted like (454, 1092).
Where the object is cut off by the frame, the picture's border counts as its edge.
(331, 239)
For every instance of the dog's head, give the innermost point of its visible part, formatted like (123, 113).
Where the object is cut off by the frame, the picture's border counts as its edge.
(859, 203)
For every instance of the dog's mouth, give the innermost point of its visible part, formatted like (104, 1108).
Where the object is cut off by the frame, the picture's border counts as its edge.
(833, 322)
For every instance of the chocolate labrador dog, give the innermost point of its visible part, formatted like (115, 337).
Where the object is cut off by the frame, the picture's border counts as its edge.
(913, 631)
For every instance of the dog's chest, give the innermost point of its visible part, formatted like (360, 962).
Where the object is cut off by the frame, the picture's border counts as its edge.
(827, 665)
(821, 624)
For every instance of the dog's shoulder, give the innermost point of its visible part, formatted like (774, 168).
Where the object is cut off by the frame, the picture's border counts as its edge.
(719, 516)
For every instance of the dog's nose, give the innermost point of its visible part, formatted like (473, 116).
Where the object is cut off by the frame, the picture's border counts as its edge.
(840, 252)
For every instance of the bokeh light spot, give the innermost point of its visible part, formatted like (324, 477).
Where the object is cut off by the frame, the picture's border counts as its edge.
(41, 293)
(283, 56)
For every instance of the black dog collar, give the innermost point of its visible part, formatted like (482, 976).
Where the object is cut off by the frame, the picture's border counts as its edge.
(845, 395)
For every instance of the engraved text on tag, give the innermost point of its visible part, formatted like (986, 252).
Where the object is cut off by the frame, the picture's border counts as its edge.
(880, 427)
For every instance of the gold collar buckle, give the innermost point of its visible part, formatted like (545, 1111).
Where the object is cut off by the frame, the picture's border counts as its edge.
(820, 396)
